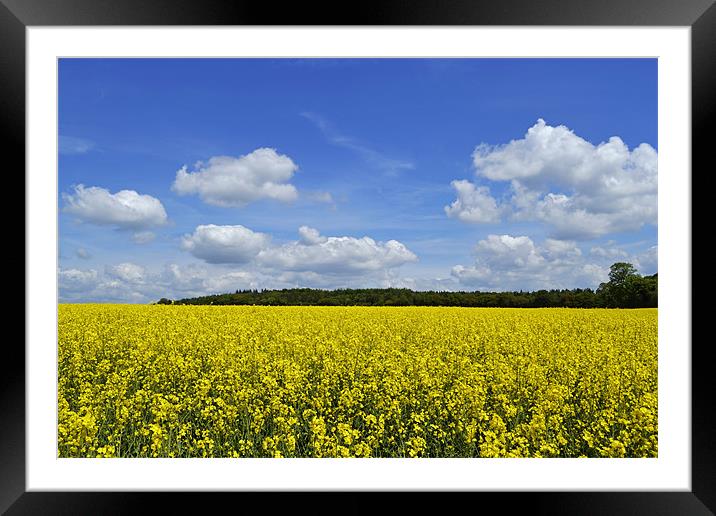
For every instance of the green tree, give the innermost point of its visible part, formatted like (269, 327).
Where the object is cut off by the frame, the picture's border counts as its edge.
(620, 272)
(624, 289)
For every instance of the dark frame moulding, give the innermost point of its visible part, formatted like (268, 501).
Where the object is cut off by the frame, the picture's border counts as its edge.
(16, 15)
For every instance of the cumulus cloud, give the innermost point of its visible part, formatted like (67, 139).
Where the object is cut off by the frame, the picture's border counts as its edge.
(335, 254)
(75, 280)
(225, 244)
(505, 262)
(611, 253)
(234, 182)
(197, 280)
(129, 282)
(388, 278)
(560, 249)
(644, 259)
(133, 283)
(127, 272)
(236, 257)
(473, 203)
(421, 283)
(184, 279)
(193, 280)
(310, 236)
(502, 262)
(580, 190)
(125, 282)
(126, 209)
(647, 262)
(505, 251)
(237, 280)
(311, 252)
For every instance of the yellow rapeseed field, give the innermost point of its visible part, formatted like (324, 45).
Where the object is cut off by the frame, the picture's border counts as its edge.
(256, 381)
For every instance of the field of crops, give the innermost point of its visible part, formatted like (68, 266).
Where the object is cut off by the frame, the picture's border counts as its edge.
(208, 381)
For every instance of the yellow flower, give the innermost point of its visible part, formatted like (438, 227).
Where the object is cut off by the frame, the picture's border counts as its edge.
(255, 381)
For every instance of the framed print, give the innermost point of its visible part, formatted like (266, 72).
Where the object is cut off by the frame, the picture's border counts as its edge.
(437, 228)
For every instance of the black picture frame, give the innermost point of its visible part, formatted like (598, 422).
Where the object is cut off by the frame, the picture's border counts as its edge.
(16, 15)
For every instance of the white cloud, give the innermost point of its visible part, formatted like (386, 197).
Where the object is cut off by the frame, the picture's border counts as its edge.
(310, 236)
(502, 262)
(335, 254)
(125, 282)
(387, 278)
(308, 279)
(118, 284)
(647, 261)
(580, 190)
(71, 145)
(182, 281)
(421, 284)
(129, 282)
(235, 257)
(505, 262)
(612, 253)
(472, 276)
(238, 280)
(234, 182)
(473, 203)
(225, 244)
(312, 252)
(75, 280)
(506, 252)
(560, 249)
(125, 209)
(127, 272)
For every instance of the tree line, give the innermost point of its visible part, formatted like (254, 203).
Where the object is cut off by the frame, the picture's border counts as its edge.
(625, 289)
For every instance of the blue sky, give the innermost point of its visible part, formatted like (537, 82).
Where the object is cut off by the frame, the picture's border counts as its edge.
(184, 177)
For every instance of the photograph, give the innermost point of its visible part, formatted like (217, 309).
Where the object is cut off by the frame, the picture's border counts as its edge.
(312, 252)
(374, 257)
